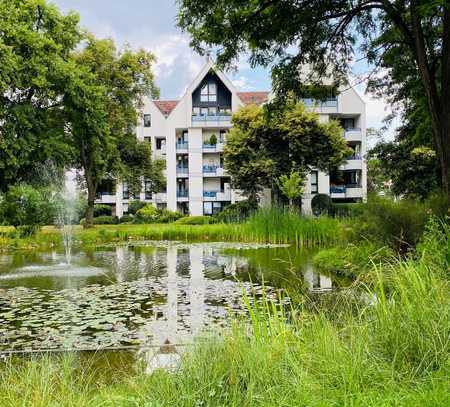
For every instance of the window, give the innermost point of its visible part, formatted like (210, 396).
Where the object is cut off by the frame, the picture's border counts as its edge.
(196, 111)
(148, 189)
(212, 111)
(159, 143)
(147, 120)
(314, 182)
(348, 123)
(208, 93)
(148, 139)
(222, 136)
(125, 192)
(207, 208)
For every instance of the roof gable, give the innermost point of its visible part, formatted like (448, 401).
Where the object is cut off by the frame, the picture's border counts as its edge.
(256, 98)
(165, 106)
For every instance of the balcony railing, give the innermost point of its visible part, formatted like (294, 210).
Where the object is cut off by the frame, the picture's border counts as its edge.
(210, 169)
(211, 118)
(182, 193)
(182, 145)
(210, 194)
(341, 189)
(182, 170)
(354, 157)
(330, 102)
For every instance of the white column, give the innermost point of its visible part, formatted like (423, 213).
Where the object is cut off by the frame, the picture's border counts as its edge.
(119, 199)
(171, 170)
(195, 172)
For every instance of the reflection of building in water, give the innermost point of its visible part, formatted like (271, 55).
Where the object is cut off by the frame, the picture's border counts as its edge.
(121, 262)
(315, 281)
(196, 289)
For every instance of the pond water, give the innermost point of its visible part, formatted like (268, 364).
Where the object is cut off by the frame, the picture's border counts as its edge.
(145, 293)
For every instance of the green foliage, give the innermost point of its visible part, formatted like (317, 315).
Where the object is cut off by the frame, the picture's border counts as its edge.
(353, 260)
(292, 185)
(28, 208)
(347, 210)
(102, 210)
(106, 220)
(321, 204)
(213, 140)
(268, 142)
(135, 205)
(195, 220)
(237, 212)
(397, 224)
(35, 45)
(126, 219)
(149, 214)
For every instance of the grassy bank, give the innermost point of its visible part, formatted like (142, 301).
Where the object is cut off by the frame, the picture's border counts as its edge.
(265, 226)
(386, 347)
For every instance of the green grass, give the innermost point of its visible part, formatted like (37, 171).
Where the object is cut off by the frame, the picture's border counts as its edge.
(265, 226)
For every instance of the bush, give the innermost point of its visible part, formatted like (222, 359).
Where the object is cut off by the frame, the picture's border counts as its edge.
(134, 206)
(106, 220)
(236, 212)
(126, 219)
(347, 210)
(28, 207)
(213, 140)
(149, 214)
(195, 220)
(398, 224)
(102, 210)
(166, 216)
(321, 204)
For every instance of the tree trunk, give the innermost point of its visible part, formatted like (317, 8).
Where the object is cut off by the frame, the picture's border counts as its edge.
(91, 187)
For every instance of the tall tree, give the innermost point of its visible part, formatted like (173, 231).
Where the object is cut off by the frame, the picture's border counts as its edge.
(266, 144)
(324, 34)
(104, 96)
(35, 45)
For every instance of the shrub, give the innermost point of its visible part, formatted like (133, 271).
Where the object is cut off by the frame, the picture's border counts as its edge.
(213, 140)
(126, 219)
(321, 204)
(398, 224)
(106, 220)
(102, 210)
(135, 205)
(347, 210)
(236, 212)
(147, 214)
(195, 220)
(166, 216)
(24, 205)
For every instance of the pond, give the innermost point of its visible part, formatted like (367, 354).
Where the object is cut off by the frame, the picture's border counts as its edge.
(138, 294)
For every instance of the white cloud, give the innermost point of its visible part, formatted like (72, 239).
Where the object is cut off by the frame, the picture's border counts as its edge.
(242, 83)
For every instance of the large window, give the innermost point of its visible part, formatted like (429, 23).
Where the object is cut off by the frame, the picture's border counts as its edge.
(148, 189)
(147, 120)
(314, 182)
(125, 191)
(208, 93)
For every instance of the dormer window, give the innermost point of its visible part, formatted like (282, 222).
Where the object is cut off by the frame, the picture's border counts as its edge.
(208, 93)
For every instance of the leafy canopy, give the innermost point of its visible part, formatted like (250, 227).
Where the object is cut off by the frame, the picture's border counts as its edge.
(268, 142)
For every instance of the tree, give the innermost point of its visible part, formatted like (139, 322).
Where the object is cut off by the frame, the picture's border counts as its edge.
(268, 142)
(35, 45)
(102, 101)
(292, 186)
(324, 33)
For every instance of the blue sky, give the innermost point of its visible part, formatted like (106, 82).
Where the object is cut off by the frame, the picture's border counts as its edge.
(151, 24)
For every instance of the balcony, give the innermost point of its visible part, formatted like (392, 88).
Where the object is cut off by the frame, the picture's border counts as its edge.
(213, 171)
(182, 171)
(219, 120)
(354, 162)
(346, 191)
(182, 195)
(105, 198)
(213, 148)
(182, 145)
(329, 105)
(160, 197)
(353, 134)
(217, 195)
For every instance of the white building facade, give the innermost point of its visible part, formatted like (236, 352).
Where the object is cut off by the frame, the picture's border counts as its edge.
(190, 133)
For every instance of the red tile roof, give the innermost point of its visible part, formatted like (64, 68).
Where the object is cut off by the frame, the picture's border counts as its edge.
(256, 98)
(166, 106)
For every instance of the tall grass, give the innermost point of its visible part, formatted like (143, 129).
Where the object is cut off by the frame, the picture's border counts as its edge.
(265, 226)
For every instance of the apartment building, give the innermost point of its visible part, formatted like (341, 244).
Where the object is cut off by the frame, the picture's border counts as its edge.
(190, 134)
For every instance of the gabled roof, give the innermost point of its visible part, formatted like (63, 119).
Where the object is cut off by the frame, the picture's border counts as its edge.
(165, 106)
(256, 98)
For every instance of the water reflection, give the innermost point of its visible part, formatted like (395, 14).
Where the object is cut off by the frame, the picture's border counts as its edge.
(154, 293)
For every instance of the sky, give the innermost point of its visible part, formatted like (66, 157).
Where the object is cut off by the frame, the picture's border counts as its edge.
(151, 24)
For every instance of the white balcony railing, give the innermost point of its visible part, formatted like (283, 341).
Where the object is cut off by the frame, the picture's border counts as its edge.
(353, 134)
(211, 120)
